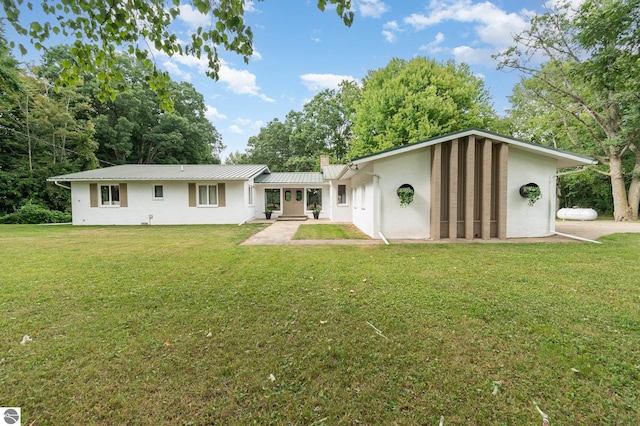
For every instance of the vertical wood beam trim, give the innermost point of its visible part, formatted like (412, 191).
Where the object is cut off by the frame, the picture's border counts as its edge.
(453, 190)
(192, 195)
(486, 189)
(124, 197)
(469, 188)
(222, 195)
(503, 160)
(436, 196)
(93, 194)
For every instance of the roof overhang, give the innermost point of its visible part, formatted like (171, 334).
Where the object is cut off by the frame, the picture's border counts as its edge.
(564, 159)
(144, 172)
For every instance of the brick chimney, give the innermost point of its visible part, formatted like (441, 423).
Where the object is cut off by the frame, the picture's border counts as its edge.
(324, 160)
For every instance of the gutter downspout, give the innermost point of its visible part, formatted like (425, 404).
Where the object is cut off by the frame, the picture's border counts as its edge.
(61, 185)
(552, 215)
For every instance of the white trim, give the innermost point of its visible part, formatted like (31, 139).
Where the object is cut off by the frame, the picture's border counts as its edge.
(338, 203)
(577, 160)
(153, 192)
(101, 201)
(208, 204)
(280, 198)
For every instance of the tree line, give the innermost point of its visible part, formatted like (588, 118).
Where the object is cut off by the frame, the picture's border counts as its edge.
(47, 129)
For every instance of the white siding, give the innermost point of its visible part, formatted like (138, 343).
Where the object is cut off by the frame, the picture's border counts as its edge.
(524, 220)
(412, 221)
(363, 203)
(173, 209)
(340, 212)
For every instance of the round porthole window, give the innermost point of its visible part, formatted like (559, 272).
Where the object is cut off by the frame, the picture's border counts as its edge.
(405, 193)
(531, 192)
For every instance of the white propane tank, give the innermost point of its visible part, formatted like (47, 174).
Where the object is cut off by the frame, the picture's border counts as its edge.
(577, 213)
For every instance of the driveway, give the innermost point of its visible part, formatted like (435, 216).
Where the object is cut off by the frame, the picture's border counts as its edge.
(593, 230)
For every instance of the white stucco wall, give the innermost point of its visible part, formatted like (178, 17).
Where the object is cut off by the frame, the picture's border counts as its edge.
(412, 221)
(363, 196)
(173, 209)
(524, 220)
(340, 212)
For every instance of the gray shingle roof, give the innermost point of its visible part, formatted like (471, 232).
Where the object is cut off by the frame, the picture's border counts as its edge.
(291, 177)
(157, 172)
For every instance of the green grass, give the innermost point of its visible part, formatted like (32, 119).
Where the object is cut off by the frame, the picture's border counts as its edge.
(329, 232)
(181, 325)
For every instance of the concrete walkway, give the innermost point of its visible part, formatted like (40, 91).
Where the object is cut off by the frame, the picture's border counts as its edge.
(278, 233)
(282, 232)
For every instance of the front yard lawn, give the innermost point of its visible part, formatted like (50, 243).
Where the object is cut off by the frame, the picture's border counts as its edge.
(181, 325)
(329, 232)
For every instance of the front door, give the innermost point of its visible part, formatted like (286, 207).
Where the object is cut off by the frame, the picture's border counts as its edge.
(293, 203)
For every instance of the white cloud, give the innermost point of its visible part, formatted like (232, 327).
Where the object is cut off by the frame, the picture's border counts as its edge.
(213, 114)
(371, 8)
(235, 129)
(556, 4)
(473, 56)
(256, 56)
(389, 36)
(243, 121)
(175, 71)
(389, 31)
(434, 46)
(324, 81)
(249, 6)
(240, 82)
(495, 26)
(243, 126)
(315, 39)
(192, 17)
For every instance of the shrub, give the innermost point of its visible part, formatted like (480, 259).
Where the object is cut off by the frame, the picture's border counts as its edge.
(32, 213)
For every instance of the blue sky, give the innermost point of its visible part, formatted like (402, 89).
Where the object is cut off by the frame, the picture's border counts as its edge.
(300, 51)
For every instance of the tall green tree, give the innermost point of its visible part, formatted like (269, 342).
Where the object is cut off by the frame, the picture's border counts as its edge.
(322, 127)
(325, 121)
(103, 28)
(271, 146)
(133, 128)
(10, 89)
(590, 79)
(408, 101)
(12, 151)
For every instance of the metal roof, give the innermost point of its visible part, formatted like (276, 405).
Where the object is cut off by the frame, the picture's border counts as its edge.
(333, 171)
(291, 177)
(565, 158)
(158, 172)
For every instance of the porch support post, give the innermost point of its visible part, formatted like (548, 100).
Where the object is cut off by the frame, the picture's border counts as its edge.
(486, 189)
(453, 190)
(469, 198)
(436, 188)
(503, 159)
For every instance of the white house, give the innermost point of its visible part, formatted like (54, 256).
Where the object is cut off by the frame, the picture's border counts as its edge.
(468, 184)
